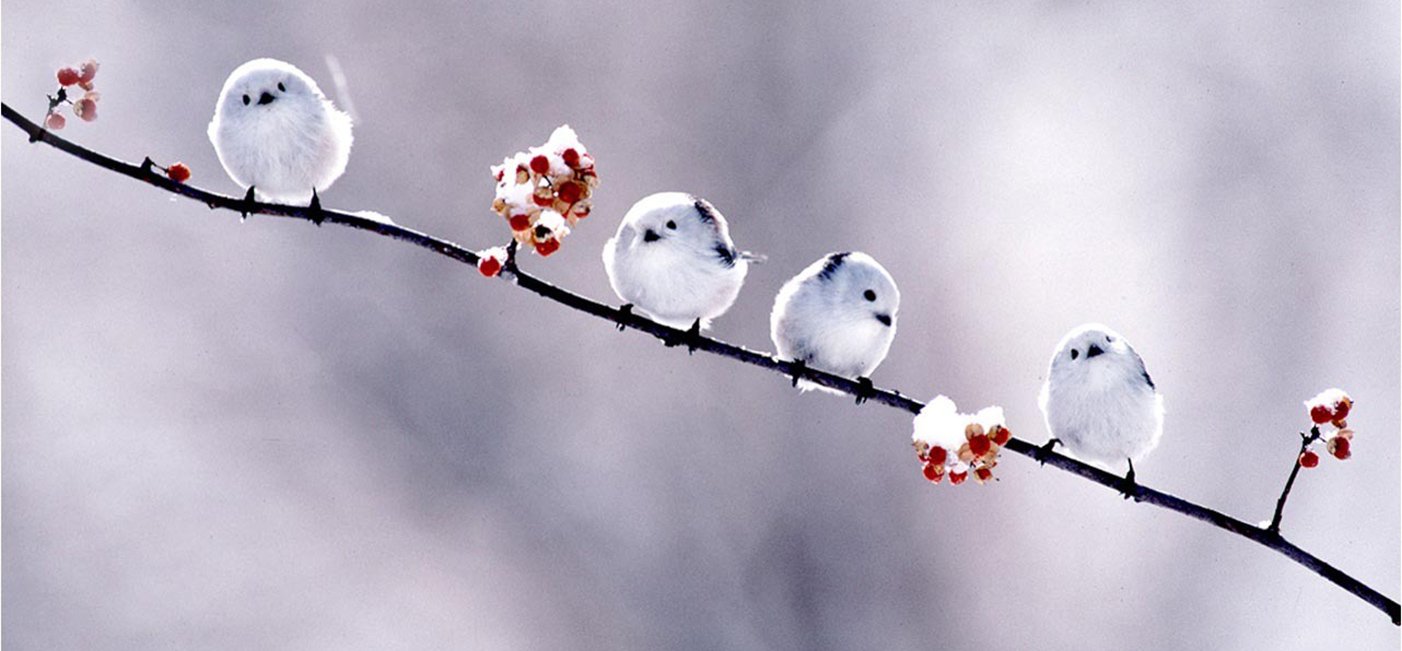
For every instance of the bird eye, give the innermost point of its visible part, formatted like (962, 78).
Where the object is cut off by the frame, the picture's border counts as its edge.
(281, 87)
(671, 224)
(1075, 353)
(245, 100)
(869, 295)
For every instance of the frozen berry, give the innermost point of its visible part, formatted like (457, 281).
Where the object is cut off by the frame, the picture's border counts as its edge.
(570, 192)
(520, 222)
(55, 121)
(1001, 435)
(489, 266)
(1339, 423)
(546, 247)
(543, 198)
(86, 109)
(957, 478)
(1340, 448)
(571, 157)
(979, 444)
(983, 474)
(1342, 408)
(88, 70)
(178, 172)
(1321, 414)
(932, 472)
(540, 165)
(67, 76)
(1309, 459)
(938, 455)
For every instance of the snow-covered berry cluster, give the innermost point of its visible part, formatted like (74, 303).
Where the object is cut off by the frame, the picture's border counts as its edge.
(542, 192)
(954, 444)
(1330, 409)
(84, 107)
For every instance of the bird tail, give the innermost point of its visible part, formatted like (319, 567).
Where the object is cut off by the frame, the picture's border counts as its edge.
(750, 256)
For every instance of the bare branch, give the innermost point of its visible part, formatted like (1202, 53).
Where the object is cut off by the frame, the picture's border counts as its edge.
(1268, 537)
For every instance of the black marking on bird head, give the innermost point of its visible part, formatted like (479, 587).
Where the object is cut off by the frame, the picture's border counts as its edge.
(705, 210)
(830, 267)
(1149, 380)
(726, 254)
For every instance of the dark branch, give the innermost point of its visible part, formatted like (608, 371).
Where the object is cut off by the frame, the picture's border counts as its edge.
(1305, 442)
(512, 273)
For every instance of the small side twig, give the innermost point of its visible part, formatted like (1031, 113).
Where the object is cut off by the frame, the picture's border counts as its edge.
(1305, 441)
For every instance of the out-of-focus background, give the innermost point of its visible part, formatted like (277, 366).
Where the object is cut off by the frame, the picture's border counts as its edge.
(269, 435)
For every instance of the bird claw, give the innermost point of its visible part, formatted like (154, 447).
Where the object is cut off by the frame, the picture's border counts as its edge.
(1128, 487)
(250, 204)
(1041, 453)
(799, 367)
(691, 337)
(315, 213)
(624, 312)
(865, 389)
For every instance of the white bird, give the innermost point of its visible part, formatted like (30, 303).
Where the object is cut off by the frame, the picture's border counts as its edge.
(1099, 400)
(838, 315)
(276, 133)
(672, 258)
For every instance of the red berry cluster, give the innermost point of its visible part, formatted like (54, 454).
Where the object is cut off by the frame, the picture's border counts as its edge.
(543, 192)
(978, 454)
(178, 172)
(84, 107)
(1330, 408)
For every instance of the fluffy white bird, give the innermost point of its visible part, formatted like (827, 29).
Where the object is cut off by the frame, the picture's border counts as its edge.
(837, 315)
(1099, 400)
(277, 134)
(672, 258)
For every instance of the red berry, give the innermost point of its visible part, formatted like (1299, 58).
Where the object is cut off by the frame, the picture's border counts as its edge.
(55, 121)
(983, 474)
(1309, 459)
(500, 174)
(489, 266)
(520, 222)
(1339, 447)
(1341, 410)
(571, 157)
(67, 76)
(979, 444)
(88, 71)
(1001, 435)
(570, 192)
(957, 478)
(546, 247)
(540, 165)
(1321, 414)
(543, 201)
(178, 172)
(938, 455)
(86, 109)
(933, 472)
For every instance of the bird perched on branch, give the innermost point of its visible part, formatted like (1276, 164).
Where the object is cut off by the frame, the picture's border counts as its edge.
(1099, 400)
(837, 315)
(277, 134)
(672, 258)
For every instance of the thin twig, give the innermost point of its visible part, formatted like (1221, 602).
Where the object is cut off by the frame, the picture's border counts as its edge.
(890, 398)
(1305, 442)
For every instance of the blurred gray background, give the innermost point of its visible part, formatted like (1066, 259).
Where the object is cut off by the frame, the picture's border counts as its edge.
(268, 435)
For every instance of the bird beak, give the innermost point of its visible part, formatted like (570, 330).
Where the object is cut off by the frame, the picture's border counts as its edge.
(885, 319)
(650, 235)
(265, 98)
(1093, 351)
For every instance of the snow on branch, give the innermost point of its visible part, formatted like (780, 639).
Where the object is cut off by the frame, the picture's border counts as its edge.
(1268, 536)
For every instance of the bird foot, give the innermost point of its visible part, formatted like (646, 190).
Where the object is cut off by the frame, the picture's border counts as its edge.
(624, 312)
(250, 204)
(691, 338)
(1128, 487)
(865, 389)
(314, 211)
(799, 367)
(1041, 453)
